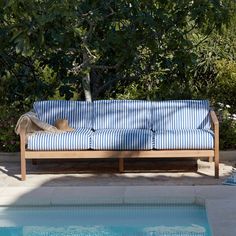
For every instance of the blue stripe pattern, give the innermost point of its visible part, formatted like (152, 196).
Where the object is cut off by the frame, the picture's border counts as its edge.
(184, 139)
(78, 139)
(122, 114)
(122, 139)
(180, 114)
(78, 113)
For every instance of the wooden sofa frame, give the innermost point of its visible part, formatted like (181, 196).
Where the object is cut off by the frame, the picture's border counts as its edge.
(34, 155)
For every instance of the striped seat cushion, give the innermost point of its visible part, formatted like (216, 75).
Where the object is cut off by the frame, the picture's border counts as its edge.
(76, 140)
(184, 139)
(78, 113)
(122, 139)
(122, 114)
(180, 114)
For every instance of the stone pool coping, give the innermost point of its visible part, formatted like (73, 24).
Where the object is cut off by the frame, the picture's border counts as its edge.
(220, 201)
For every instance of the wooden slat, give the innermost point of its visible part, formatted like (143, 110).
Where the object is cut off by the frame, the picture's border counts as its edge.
(117, 154)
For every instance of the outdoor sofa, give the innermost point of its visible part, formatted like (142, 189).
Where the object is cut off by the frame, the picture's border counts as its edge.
(123, 129)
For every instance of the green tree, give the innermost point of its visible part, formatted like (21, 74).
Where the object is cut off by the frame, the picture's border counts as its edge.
(110, 42)
(73, 49)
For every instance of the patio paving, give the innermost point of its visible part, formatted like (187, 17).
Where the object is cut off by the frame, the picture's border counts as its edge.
(145, 172)
(70, 182)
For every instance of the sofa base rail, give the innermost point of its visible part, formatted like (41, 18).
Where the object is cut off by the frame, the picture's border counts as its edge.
(117, 154)
(121, 155)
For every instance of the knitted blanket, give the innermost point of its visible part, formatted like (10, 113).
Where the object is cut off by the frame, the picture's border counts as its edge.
(30, 123)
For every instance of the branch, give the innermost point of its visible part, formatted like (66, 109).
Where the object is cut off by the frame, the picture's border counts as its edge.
(201, 41)
(103, 67)
(4, 61)
(107, 84)
(88, 34)
(89, 52)
(76, 69)
(86, 63)
(193, 27)
(86, 14)
(111, 82)
(112, 13)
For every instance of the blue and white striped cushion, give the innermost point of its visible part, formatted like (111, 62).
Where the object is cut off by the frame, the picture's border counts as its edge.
(78, 113)
(180, 114)
(76, 140)
(184, 139)
(122, 139)
(122, 114)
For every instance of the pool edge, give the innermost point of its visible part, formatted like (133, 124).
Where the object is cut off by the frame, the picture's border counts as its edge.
(219, 200)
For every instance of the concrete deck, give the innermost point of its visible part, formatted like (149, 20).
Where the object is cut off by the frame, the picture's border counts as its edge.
(97, 181)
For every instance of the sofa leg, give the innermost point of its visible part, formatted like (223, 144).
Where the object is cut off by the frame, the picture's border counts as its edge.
(22, 155)
(216, 151)
(217, 165)
(217, 159)
(23, 168)
(121, 165)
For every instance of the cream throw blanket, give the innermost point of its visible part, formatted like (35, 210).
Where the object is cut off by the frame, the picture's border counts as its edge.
(30, 122)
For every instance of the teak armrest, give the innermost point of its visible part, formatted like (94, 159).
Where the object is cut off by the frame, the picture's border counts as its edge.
(214, 118)
(23, 126)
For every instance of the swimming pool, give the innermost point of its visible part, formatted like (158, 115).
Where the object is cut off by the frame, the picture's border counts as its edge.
(105, 220)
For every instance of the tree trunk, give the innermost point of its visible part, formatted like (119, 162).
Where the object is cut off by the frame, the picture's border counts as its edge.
(86, 79)
(87, 87)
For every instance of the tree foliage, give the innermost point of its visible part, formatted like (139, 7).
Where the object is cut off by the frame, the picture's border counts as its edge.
(98, 49)
(110, 41)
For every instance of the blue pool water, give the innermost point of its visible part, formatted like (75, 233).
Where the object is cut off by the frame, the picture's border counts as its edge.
(122, 220)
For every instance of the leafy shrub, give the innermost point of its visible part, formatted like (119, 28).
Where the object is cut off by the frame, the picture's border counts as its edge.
(228, 134)
(224, 89)
(9, 141)
(222, 93)
(227, 130)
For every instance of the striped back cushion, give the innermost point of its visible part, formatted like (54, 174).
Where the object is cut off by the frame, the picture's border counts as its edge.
(78, 113)
(122, 114)
(180, 114)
